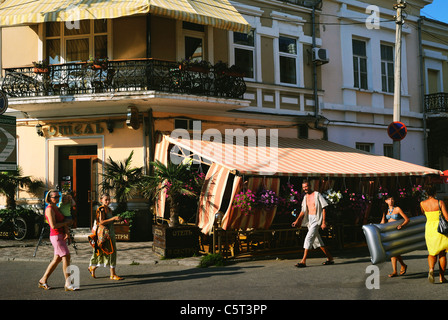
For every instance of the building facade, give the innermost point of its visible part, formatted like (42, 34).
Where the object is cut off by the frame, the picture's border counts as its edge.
(359, 81)
(434, 65)
(161, 73)
(309, 69)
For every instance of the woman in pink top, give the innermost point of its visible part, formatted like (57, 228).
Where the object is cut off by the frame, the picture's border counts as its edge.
(58, 237)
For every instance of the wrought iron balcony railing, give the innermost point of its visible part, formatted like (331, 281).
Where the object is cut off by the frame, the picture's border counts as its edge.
(124, 75)
(436, 102)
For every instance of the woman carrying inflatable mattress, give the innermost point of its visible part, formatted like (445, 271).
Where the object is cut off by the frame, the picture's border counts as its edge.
(394, 213)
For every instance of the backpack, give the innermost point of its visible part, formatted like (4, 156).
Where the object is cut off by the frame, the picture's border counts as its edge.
(100, 238)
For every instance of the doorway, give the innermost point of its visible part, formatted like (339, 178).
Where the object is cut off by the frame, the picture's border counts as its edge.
(78, 172)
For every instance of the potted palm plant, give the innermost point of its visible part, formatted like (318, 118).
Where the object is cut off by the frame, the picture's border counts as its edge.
(177, 182)
(123, 181)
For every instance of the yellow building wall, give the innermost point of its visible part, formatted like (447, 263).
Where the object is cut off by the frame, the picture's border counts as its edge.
(19, 53)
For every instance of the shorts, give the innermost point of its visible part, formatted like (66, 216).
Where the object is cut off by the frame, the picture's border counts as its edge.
(313, 239)
(59, 245)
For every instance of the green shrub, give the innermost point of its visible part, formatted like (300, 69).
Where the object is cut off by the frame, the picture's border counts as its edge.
(215, 259)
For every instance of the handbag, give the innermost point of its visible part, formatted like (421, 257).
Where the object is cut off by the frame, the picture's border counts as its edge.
(100, 238)
(443, 224)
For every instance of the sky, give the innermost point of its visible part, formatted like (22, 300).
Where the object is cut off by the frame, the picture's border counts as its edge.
(437, 10)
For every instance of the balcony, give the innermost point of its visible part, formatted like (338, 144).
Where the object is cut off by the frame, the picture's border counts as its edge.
(124, 76)
(436, 102)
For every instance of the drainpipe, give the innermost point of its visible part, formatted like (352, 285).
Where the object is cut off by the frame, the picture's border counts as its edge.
(316, 98)
(422, 91)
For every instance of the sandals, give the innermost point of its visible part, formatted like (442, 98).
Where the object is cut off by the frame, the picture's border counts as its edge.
(92, 272)
(403, 272)
(300, 265)
(70, 288)
(393, 275)
(44, 286)
(115, 277)
(328, 262)
(431, 276)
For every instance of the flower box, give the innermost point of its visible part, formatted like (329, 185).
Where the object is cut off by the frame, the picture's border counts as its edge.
(173, 242)
(40, 70)
(122, 231)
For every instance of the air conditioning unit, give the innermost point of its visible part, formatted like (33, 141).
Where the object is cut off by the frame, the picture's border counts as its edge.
(320, 55)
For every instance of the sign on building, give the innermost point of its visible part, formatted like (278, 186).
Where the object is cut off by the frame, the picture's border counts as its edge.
(8, 150)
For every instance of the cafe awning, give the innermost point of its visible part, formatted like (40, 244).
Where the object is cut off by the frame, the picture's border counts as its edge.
(298, 157)
(262, 163)
(217, 13)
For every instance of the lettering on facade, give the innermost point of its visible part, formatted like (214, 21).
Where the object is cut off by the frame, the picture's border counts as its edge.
(74, 129)
(182, 233)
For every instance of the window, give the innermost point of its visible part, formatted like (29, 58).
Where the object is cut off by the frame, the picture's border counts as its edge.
(244, 52)
(288, 60)
(388, 150)
(359, 64)
(387, 68)
(193, 49)
(77, 44)
(367, 147)
(194, 41)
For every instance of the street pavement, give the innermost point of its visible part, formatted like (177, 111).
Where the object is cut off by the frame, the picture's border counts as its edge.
(249, 281)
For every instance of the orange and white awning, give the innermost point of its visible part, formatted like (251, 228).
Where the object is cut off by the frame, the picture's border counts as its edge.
(262, 162)
(299, 157)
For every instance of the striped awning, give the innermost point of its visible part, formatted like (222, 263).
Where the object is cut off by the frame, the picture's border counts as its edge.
(298, 157)
(211, 196)
(279, 157)
(219, 14)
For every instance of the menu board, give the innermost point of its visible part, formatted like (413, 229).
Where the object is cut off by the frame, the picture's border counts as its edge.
(8, 150)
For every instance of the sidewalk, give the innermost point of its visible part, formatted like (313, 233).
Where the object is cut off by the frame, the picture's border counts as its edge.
(127, 252)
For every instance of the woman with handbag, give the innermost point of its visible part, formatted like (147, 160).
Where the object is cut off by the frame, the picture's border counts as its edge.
(105, 254)
(436, 242)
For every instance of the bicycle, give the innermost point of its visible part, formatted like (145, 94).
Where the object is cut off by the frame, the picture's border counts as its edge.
(13, 223)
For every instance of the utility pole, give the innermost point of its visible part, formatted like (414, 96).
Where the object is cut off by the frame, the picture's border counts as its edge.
(401, 4)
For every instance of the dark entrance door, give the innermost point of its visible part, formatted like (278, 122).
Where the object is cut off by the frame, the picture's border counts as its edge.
(84, 187)
(78, 173)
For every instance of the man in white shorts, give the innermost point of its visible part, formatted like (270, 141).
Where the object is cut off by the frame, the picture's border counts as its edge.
(312, 215)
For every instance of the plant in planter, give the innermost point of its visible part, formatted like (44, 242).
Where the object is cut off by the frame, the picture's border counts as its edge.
(177, 181)
(97, 63)
(127, 217)
(124, 229)
(195, 65)
(122, 179)
(267, 199)
(245, 201)
(289, 199)
(40, 66)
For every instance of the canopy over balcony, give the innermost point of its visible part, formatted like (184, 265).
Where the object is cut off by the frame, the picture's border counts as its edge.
(219, 14)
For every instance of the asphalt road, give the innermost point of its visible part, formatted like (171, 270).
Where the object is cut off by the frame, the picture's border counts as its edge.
(250, 281)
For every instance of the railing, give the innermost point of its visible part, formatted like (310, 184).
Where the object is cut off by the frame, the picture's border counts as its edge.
(123, 75)
(436, 102)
